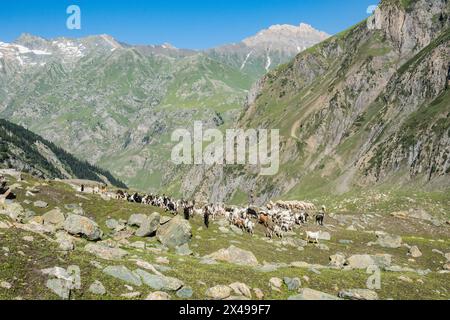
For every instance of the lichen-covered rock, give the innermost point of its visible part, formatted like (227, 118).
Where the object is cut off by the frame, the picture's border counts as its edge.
(55, 216)
(235, 255)
(219, 292)
(310, 294)
(82, 226)
(175, 233)
(105, 252)
(149, 225)
(363, 261)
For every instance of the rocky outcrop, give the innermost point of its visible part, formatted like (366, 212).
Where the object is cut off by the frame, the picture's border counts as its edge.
(175, 233)
(82, 226)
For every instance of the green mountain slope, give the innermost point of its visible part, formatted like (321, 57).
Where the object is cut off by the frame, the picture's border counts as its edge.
(369, 106)
(25, 151)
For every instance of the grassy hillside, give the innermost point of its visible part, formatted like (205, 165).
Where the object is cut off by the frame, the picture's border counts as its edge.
(19, 146)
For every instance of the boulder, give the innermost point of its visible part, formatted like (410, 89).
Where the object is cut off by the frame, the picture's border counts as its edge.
(159, 282)
(40, 204)
(293, 284)
(241, 289)
(323, 235)
(97, 288)
(421, 214)
(258, 293)
(337, 260)
(185, 293)
(82, 226)
(363, 261)
(358, 294)
(275, 283)
(62, 281)
(131, 295)
(5, 285)
(415, 252)
(235, 255)
(65, 241)
(14, 210)
(175, 233)
(183, 250)
(59, 287)
(219, 292)
(164, 220)
(400, 214)
(158, 295)
(149, 225)
(105, 252)
(389, 241)
(112, 224)
(136, 220)
(74, 208)
(55, 216)
(310, 294)
(122, 273)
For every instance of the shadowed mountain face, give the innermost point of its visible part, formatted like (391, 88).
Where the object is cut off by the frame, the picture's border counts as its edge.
(25, 151)
(369, 106)
(116, 105)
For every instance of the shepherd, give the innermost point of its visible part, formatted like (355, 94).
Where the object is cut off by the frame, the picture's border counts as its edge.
(206, 216)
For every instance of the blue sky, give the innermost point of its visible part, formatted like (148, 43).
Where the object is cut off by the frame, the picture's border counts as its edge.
(194, 24)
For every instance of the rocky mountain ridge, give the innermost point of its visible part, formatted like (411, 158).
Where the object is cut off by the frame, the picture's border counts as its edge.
(369, 106)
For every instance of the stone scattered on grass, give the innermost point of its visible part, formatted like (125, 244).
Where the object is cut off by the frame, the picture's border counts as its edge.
(124, 274)
(159, 282)
(40, 204)
(82, 226)
(337, 260)
(55, 217)
(185, 293)
(241, 289)
(363, 261)
(219, 292)
(275, 283)
(158, 295)
(235, 255)
(149, 225)
(258, 293)
(415, 252)
(293, 284)
(175, 233)
(388, 241)
(131, 295)
(97, 288)
(5, 285)
(358, 294)
(310, 294)
(105, 252)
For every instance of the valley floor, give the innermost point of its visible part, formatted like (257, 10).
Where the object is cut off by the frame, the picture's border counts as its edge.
(385, 228)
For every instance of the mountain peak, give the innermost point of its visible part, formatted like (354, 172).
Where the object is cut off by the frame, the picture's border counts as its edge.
(286, 35)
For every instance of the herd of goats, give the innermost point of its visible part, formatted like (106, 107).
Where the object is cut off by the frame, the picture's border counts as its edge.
(277, 218)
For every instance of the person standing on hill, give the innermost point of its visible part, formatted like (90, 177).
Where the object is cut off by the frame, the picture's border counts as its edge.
(251, 198)
(206, 216)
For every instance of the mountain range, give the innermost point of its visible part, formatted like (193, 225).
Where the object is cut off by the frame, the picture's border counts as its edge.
(368, 107)
(115, 105)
